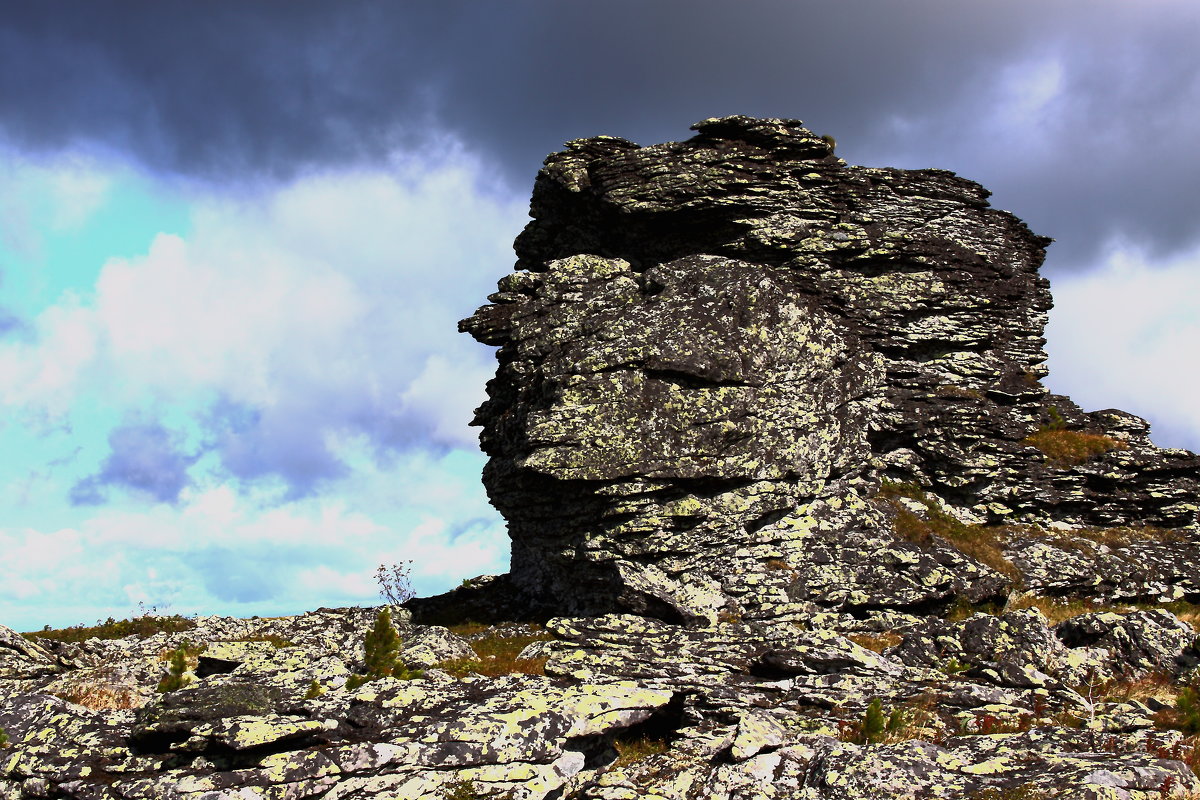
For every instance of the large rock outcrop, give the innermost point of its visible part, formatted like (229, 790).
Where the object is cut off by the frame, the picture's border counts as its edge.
(715, 353)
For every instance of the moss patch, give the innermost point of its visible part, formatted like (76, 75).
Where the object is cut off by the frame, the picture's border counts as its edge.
(984, 543)
(496, 654)
(878, 642)
(1064, 448)
(633, 750)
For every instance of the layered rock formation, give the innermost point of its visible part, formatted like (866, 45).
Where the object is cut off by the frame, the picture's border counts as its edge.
(716, 352)
(792, 516)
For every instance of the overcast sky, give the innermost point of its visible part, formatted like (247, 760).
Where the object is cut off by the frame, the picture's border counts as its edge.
(235, 237)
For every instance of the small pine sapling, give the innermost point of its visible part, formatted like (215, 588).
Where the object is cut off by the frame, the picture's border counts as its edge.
(1188, 704)
(381, 652)
(874, 723)
(381, 645)
(176, 677)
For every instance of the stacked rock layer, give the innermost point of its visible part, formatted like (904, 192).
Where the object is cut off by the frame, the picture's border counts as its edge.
(716, 353)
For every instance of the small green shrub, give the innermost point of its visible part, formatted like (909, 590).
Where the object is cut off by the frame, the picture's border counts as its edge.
(874, 723)
(176, 677)
(381, 651)
(876, 726)
(3, 738)
(403, 673)
(381, 646)
(143, 627)
(315, 690)
(1188, 705)
(952, 666)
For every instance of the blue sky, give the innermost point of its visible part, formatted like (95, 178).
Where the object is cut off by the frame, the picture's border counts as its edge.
(235, 238)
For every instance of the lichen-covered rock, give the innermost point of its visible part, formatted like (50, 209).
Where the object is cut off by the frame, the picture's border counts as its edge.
(715, 350)
(630, 707)
(1113, 565)
(429, 645)
(1136, 643)
(21, 658)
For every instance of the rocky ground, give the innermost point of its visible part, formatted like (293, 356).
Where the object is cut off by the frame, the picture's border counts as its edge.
(1005, 704)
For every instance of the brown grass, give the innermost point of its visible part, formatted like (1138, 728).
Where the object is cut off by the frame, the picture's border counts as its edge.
(1188, 612)
(1058, 609)
(1116, 537)
(876, 641)
(1064, 448)
(631, 751)
(100, 696)
(961, 392)
(496, 655)
(1154, 684)
(983, 543)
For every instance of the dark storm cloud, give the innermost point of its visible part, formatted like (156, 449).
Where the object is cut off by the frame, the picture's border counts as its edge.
(233, 90)
(145, 457)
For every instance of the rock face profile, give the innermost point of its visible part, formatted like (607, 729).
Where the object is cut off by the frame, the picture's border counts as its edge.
(792, 516)
(718, 356)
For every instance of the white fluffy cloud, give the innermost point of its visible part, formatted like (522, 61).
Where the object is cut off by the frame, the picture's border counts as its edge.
(268, 406)
(1127, 335)
(222, 550)
(325, 308)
